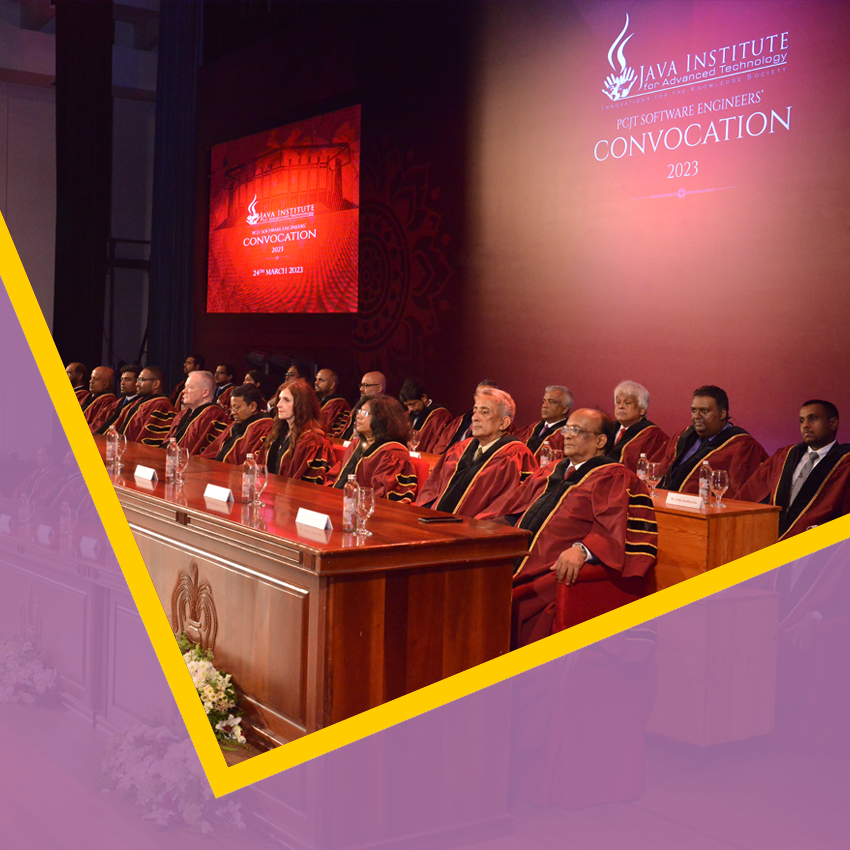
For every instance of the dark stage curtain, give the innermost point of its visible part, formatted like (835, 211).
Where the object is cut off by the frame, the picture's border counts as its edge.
(83, 175)
(173, 223)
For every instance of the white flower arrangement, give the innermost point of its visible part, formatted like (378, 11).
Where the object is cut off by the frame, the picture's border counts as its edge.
(162, 775)
(23, 676)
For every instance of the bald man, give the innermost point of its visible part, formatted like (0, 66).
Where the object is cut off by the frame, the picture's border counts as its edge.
(148, 419)
(594, 534)
(335, 410)
(100, 402)
(373, 385)
(199, 425)
(77, 373)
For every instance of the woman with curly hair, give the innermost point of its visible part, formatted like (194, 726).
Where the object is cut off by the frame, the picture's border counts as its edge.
(379, 457)
(297, 447)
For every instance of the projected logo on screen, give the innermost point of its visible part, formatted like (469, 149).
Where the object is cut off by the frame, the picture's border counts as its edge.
(619, 86)
(284, 219)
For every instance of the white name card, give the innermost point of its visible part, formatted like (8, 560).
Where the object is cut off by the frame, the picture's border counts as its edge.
(5, 522)
(89, 546)
(220, 494)
(45, 534)
(313, 519)
(416, 454)
(683, 500)
(346, 443)
(146, 473)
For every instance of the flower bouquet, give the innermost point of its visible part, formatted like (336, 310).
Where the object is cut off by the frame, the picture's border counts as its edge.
(23, 676)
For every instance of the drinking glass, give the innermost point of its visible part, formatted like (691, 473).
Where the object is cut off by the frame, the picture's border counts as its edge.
(413, 442)
(719, 485)
(182, 463)
(653, 476)
(365, 509)
(120, 448)
(261, 482)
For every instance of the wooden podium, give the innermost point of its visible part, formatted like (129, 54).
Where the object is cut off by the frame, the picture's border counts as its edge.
(317, 626)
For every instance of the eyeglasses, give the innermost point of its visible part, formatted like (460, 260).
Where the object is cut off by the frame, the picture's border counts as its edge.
(362, 385)
(290, 376)
(145, 379)
(575, 431)
(363, 412)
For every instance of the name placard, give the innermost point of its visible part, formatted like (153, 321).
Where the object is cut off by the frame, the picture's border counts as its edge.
(145, 473)
(416, 454)
(220, 494)
(45, 533)
(89, 546)
(5, 522)
(313, 519)
(683, 500)
(346, 443)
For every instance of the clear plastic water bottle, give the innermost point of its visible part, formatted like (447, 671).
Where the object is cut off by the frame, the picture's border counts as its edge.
(642, 464)
(65, 518)
(349, 504)
(249, 478)
(111, 444)
(171, 452)
(705, 481)
(545, 454)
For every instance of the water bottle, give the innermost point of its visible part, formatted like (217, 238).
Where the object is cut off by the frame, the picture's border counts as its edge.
(349, 504)
(545, 454)
(705, 481)
(171, 452)
(249, 479)
(111, 444)
(65, 518)
(642, 464)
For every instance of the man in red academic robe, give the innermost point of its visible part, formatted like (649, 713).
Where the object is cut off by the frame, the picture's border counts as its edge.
(713, 438)
(99, 404)
(148, 419)
(193, 363)
(129, 395)
(373, 385)
(248, 431)
(810, 481)
(556, 407)
(594, 533)
(636, 434)
(202, 421)
(77, 374)
(427, 418)
(460, 428)
(224, 384)
(476, 472)
(43, 478)
(336, 411)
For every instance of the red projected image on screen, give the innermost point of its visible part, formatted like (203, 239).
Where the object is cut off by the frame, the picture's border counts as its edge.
(284, 217)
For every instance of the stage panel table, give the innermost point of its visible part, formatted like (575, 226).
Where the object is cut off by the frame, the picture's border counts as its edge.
(317, 626)
(691, 542)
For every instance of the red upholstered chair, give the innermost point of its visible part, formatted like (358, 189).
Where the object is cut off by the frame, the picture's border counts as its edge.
(598, 590)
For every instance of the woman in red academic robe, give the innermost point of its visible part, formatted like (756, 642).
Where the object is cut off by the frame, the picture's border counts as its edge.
(379, 457)
(297, 447)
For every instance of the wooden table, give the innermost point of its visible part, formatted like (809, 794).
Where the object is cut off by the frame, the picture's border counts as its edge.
(318, 626)
(691, 542)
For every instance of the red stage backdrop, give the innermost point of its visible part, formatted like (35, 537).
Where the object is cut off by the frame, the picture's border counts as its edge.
(284, 219)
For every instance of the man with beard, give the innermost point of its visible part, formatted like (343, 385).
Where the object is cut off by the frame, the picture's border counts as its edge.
(198, 426)
(335, 410)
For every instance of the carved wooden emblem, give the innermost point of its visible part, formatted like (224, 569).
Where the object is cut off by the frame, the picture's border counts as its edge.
(193, 610)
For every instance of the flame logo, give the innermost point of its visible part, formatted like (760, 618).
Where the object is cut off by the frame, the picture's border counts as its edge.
(253, 215)
(618, 86)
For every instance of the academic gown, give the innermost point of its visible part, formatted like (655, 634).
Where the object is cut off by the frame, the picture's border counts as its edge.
(240, 440)
(98, 409)
(310, 459)
(453, 433)
(197, 429)
(335, 415)
(602, 505)
(147, 420)
(222, 399)
(732, 449)
(643, 437)
(386, 467)
(535, 435)
(81, 393)
(824, 496)
(177, 394)
(39, 483)
(430, 424)
(461, 485)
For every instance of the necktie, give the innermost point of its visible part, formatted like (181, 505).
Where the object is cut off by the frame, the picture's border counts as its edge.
(619, 435)
(478, 452)
(570, 470)
(806, 469)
